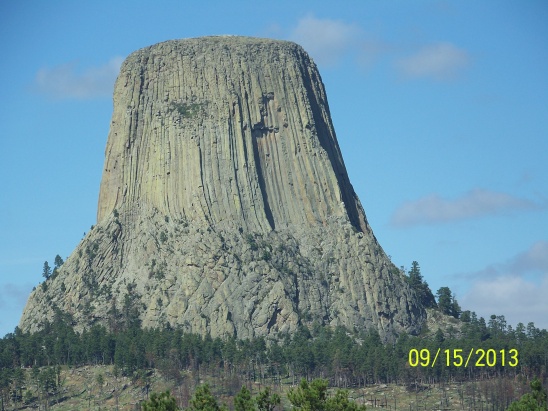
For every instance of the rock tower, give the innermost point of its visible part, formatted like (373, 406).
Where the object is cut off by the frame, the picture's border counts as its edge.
(225, 206)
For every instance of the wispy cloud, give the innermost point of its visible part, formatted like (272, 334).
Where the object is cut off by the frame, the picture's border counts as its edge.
(329, 40)
(440, 61)
(326, 40)
(503, 288)
(434, 209)
(65, 81)
(536, 258)
(532, 261)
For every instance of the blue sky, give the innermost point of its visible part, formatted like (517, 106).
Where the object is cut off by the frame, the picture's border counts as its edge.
(440, 109)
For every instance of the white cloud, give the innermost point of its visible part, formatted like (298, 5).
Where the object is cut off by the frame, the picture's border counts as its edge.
(516, 288)
(329, 40)
(519, 300)
(441, 61)
(503, 289)
(326, 40)
(434, 209)
(65, 81)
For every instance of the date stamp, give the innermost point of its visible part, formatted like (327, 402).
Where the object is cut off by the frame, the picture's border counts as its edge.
(456, 357)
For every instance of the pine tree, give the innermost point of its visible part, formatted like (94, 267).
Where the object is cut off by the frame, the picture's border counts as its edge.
(455, 307)
(465, 317)
(243, 401)
(445, 301)
(533, 401)
(341, 402)
(313, 397)
(417, 283)
(100, 381)
(46, 272)
(160, 402)
(58, 261)
(308, 397)
(267, 401)
(415, 276)
(203, 400)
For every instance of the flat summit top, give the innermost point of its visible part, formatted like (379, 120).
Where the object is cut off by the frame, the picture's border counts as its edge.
(225, 39)
(238, 44)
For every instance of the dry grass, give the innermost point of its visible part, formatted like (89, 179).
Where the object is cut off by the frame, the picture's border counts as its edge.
(80, 391)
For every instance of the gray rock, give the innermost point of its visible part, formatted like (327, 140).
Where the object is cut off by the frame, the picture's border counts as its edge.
(226, 204)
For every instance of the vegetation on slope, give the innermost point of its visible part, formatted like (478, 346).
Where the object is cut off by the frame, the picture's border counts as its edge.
(33, 366)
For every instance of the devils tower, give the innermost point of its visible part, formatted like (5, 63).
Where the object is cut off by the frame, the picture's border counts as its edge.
(225, 206)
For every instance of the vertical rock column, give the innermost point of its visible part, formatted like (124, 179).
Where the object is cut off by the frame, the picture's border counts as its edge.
(226, 130)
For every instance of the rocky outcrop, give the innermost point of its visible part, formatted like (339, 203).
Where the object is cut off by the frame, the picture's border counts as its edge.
(225, 206)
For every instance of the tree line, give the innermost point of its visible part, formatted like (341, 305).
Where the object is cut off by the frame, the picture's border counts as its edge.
(306, 396)
(345, 358)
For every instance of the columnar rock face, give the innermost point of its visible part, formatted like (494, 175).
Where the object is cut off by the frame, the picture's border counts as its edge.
(225, 206)
(230, 131)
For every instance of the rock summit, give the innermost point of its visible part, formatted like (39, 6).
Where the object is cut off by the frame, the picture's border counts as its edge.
(225, 206)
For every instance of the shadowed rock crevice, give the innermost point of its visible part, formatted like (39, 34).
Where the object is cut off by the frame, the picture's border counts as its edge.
(225, 206)
(324, 130)
(262, 185)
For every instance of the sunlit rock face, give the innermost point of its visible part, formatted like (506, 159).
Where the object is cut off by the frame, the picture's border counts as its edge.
(225, 206)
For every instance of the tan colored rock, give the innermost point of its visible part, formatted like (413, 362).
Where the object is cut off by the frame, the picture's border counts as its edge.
(226, 203)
